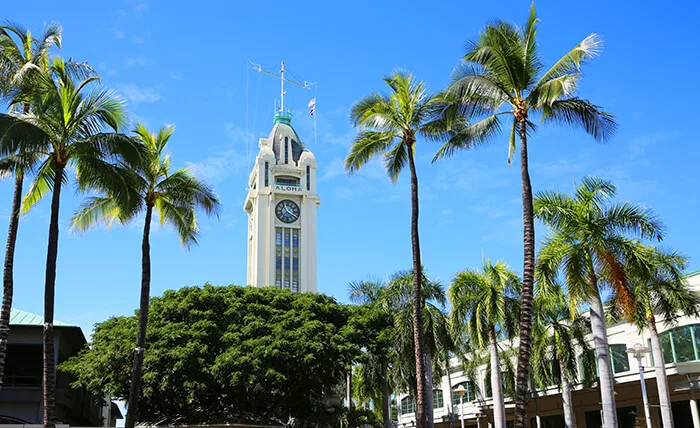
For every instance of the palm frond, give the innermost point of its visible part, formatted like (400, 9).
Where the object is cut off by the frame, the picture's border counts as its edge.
(367, 145)
(95, 210)
(572, 61)
(182, 218)
(470, 136)
(43, 182)
(577, 112)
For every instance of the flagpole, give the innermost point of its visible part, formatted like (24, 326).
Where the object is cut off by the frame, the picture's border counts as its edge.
(315, 112)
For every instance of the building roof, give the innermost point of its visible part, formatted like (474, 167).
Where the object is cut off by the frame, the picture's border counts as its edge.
(20, 317)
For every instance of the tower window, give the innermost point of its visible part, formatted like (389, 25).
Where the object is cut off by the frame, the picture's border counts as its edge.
(267, 174)
(286, 150)
(308, 178)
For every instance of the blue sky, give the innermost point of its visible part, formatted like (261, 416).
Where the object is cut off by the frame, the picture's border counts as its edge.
(185, 63)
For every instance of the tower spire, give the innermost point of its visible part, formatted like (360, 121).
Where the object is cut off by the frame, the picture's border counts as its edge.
(282, 92)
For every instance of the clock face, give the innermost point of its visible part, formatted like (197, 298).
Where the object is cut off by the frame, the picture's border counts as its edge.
(287, 211)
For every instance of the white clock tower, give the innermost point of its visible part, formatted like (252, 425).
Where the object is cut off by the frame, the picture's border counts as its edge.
(281, 206)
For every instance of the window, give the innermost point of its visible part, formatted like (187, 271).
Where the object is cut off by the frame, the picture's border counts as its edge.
(487, 384)
(681, 344)
(408, 405)
(267, 174)
(308, 178)
(469, 394)
(620, 359)
(287, 258)
(278, 257)
(437, 399)
(286, 150)
(287, 181)
(295, 260)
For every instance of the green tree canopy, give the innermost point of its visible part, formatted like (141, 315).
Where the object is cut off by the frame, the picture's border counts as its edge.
(228, 354)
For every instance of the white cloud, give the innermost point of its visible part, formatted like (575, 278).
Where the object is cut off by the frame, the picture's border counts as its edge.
(229, 161)
(334, 168)
(136, 39)
(175, 76)
(137, 94)
(132, 61)
(141, 7)
(118, 34)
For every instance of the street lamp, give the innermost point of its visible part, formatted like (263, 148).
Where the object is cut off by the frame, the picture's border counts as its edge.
(460, 391)
(478, 416)
(639, 351)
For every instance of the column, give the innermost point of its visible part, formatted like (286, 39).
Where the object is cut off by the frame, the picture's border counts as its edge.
(694, 412)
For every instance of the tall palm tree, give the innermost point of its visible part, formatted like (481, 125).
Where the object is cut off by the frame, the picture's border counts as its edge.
(174, 195)
(592, 240)
(558, 334)
(66, 127)
(389, 126)
(485, 306)
(436, 338)
(374, 372)
(503, 76)
(21, 55)
(660, 289)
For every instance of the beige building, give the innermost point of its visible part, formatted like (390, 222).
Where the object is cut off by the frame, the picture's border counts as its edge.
(281, 206)
(681, 343)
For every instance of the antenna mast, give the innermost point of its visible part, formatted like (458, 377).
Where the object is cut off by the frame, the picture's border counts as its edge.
(304, 85)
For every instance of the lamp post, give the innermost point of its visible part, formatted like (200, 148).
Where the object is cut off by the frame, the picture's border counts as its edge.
(638, 352)
(460, 391)
(478, 417)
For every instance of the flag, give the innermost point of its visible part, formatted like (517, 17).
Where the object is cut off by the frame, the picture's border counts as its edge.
(312, 106)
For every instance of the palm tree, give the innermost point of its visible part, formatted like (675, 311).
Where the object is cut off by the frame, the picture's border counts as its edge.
(591, 241)
(436, 339)
(485, 306)
(65, 128)
(373, 375)
(558, 333)
(503, 75)
(659, 287)
(389, 126)
(174, 195)
(20, 57)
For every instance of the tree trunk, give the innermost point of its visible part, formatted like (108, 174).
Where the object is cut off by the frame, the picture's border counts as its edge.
(600, 340)
(135, 388)
(429, 385)
(49, 292)
(348, 388)
(499, 408)
(421, 404)
(523, 373)
(449, 386)
(386, 398)
(568, 405)
(7, 278)
(660, 369)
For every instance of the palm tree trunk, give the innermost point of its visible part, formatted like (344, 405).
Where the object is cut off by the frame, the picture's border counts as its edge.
(7, 278)
(523, 373)
(386, 398)
(600, 340)
(429, 386)
(348, 388)
(421, 404)
(449, 386)
(49, 294)
(569, 418)
(135, 388)
(661, 379)
(499, 408)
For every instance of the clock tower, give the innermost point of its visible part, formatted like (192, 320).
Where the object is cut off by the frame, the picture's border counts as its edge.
(281, 207)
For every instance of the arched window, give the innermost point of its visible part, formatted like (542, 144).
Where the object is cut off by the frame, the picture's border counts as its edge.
(437, 399)
(469, 394)
(308, 178)
(408, 405)
(681, 344)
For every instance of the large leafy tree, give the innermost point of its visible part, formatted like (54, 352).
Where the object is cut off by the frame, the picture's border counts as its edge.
(485, 306)
(72, 125)
(390, 125)
(175, 196)
(227, 355)
(661, 291)
(592, 241)
(21, 57)
(558, 333)
(503, 78)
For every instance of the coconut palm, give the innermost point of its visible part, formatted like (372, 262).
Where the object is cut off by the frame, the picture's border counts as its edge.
(372, 377)
(66, 128)
(436, 338)
(558, 334)
(591, 241)
(485, 306)
(390, 125)
(21, 55)
(659, 287)
(175, 196)
(503, 78)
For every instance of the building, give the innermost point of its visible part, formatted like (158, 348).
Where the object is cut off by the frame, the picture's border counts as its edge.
(281, 206)
(21, 391)
(681, 343)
